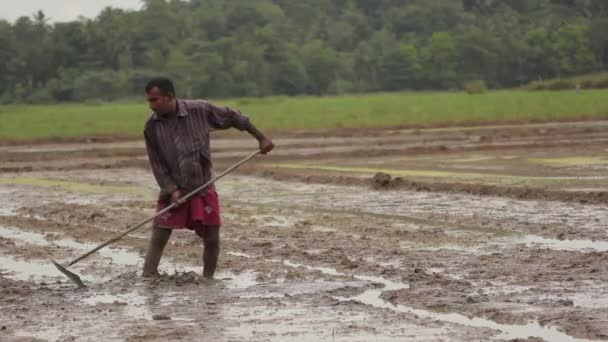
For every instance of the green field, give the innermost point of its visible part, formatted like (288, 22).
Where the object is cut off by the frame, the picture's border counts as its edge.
(284, 113)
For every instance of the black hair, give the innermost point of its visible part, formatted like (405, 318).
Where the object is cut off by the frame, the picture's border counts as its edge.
(163, 84)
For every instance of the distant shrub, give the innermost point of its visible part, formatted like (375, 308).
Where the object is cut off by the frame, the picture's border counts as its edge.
(587, 84)
(475, 87)
(601, 83)
(536, 85)
(341, 87)
(40, 96)
(562, 84)
(94, 102)
(593, 81)
(6, 98)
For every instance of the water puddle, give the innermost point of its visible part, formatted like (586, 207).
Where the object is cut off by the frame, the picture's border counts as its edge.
(294, 289)
(46, 334)
(373, 298)
(117, 255)
(591, 301)
(236, 281)
(323, 229)
(7, 212)
(8, 208)
(565, 245)
(443, 246)
(140, 304)
(133, 302)
(42, 270)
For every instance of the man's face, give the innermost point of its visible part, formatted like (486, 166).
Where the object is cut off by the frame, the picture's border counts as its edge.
(160, 103)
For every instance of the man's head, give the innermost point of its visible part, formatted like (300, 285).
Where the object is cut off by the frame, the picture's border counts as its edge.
(160, 94)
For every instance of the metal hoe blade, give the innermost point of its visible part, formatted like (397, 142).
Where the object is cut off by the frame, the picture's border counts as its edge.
(73, 276)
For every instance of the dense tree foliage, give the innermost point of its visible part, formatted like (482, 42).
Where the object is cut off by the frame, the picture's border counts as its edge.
(218, 48)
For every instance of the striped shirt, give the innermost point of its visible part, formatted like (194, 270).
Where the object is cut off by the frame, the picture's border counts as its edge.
(178, 146)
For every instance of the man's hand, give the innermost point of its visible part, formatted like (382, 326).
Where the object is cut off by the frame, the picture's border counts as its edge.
(176, 197)
(266, 145)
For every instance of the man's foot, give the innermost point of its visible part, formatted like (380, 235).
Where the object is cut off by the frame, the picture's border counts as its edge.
(150, 274)
(157, 243)
(209, 280)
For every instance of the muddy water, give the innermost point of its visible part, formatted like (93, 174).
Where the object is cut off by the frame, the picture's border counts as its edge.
(245, 310)
(373, 297)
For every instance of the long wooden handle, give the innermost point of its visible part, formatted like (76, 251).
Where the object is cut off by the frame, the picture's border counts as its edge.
(135, 227)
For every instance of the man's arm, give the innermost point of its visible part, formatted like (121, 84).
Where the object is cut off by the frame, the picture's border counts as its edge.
(224, 117)
(161, 174)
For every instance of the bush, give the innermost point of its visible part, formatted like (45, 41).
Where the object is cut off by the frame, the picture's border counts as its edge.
(340, 87)
(40, 96)
(561, 85)
(601, 83)
(6, 98)
(587, 84)
(536, 85)
(475, 87)
(593, 81)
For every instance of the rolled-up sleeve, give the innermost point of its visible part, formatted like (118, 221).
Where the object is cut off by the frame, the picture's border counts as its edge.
(224, 118)
(161, 174)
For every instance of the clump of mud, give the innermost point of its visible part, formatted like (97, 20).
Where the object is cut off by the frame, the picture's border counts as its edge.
(177, 279)
(185, 278)
(383, 180)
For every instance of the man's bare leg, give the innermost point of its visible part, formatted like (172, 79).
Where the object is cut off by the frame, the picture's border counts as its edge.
(157, 244)
(211, 242)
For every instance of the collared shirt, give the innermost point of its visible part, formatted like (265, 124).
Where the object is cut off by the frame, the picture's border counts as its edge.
(178, 146)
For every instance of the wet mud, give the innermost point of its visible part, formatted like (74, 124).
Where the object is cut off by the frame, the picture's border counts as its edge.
(319, 259)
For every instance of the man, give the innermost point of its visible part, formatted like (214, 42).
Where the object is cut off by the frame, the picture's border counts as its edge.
(177, 142)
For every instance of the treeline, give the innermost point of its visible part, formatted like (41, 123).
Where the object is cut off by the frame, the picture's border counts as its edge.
(219, 48)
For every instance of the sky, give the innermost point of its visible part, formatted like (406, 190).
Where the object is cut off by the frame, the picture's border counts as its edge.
(61, 10)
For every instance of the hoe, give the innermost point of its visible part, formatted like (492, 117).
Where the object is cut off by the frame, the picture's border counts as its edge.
(76, 279)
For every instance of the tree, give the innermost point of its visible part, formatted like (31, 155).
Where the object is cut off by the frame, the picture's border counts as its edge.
(540, 60)
(221, 48)
(573, 50)
(8, 54)
(321, 63)
(401, 68)
(440, 59)
(479, 55)
(599, 40)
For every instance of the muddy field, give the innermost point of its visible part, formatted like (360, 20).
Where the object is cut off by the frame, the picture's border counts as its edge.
(449, 234)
